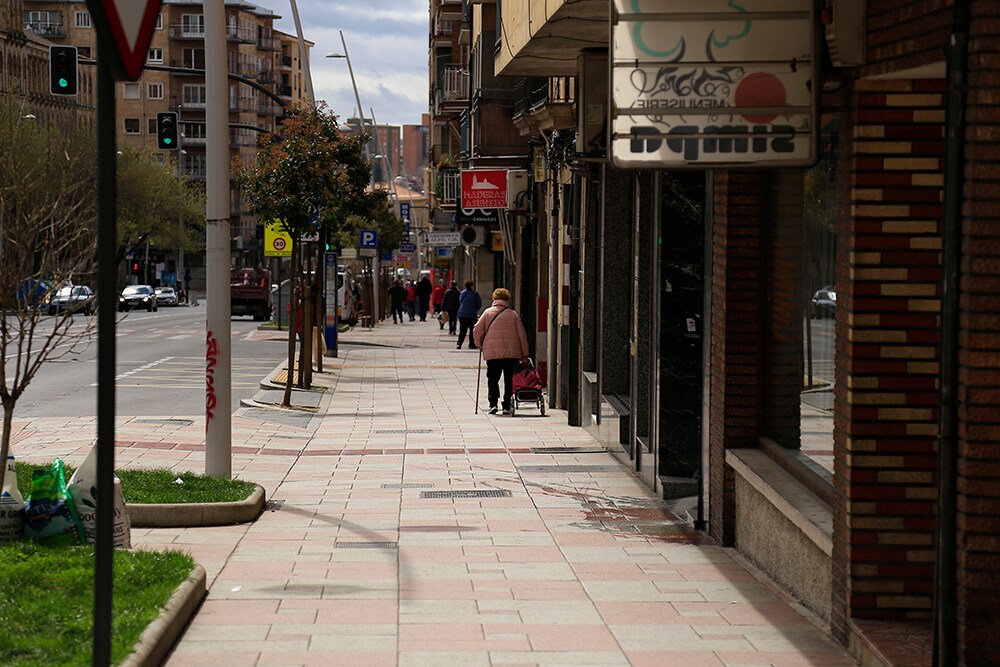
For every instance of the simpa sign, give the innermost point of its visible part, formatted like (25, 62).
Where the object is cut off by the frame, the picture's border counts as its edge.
(731, 83)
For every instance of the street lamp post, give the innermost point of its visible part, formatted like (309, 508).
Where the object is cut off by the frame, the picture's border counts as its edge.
(354, 84)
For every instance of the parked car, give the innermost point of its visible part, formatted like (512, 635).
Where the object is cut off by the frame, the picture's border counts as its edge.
(824, 303)
(137, 296)
(166, 296)
(72, 298)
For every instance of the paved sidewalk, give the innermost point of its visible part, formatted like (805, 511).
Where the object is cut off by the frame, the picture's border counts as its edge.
(544, 558)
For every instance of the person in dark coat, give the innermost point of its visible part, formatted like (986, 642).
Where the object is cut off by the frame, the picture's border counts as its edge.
(469, 303)
(424, 289)
(450, 306)
(397, 295)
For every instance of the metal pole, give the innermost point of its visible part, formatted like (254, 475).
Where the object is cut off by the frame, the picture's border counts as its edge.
(180, 214)
(357, 98)
(303, 55)
(218, 426)
(106, 310)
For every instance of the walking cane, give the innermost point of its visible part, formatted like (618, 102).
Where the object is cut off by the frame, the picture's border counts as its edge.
(479, 374)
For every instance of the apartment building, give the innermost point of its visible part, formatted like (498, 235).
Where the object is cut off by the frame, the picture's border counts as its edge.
(806, 351)
(416, 150)
(259, 58)
(24, 67)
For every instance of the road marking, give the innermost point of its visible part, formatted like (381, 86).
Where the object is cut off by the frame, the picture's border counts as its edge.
(179, 337)
(126, 374)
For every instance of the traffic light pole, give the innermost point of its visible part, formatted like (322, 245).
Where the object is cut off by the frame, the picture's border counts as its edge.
(107, 294)
(218, 354)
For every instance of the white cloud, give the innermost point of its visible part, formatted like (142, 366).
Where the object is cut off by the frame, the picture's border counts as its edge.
(387, 42)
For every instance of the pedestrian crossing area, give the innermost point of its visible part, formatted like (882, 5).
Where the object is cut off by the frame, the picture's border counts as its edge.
(186, 373)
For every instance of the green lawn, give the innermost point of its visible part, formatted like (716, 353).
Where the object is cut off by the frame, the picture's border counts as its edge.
(159, 486)
(47, 593)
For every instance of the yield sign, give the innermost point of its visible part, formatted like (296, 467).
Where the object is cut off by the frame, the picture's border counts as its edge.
(128, 24)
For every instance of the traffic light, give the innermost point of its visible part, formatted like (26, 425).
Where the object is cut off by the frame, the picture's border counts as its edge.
(166, 130)
(62, 70)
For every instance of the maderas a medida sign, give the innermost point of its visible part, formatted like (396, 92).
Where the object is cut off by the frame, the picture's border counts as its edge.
(713, 83)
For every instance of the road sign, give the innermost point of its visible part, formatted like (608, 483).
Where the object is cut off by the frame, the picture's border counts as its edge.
(309, 237)
(404, 210)
(407, 248)
(444, 238)
(128, 26)
(276, 242)
(369, 239)
(368, 252)
(484, 188)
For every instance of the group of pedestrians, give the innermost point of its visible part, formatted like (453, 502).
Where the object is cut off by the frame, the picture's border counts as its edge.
(497, 332)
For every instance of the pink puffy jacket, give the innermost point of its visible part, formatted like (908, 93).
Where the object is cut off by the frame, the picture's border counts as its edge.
(506, 338)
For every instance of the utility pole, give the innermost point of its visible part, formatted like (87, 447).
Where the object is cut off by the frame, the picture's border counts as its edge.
(218, 353)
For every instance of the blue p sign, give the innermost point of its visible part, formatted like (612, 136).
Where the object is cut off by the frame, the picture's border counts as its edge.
(369, 238)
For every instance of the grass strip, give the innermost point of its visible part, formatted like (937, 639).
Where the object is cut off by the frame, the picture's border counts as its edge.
(160, 486)
(47, 593)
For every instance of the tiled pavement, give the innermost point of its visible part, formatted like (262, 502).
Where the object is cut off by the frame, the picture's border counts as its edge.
(572, 562)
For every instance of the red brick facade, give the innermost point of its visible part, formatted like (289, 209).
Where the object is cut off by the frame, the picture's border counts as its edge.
(888, 287)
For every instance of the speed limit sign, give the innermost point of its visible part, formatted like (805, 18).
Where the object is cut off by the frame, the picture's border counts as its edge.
(279, 244)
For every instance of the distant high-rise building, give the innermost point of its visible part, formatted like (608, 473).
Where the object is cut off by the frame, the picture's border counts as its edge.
(416, 147)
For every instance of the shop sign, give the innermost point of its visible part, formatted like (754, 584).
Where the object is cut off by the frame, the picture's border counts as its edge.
(731, 83)
(476, 216)
(484, 188)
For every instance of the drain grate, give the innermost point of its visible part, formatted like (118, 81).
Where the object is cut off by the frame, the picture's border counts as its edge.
(407, 486)
(274, 505)
(557, 470)
(492, 493)
(171, 422)
(365, 545)
(403, 431)
(569, 450)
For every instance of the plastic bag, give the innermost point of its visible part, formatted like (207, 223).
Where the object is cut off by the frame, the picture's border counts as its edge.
(11, 506)
(83, 489)
(50, 516)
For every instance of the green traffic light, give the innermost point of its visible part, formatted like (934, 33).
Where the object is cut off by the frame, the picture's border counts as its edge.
(168, 140)
(63, 83)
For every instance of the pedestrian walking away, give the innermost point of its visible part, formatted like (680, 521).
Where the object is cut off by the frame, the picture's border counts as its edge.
(450, 305)
(437, 296)
(411, 299)
(424, 291)
(504, 345)
(469, 303)
(397, 296)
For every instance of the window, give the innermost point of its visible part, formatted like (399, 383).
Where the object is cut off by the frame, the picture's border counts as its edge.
(130, 91)
(155, 55)
(82, 19)
(159, 22)
(194, 94)
(154, 91)
(132, 126)
(193, 24)
(83, 52)
(194, 58)
(193, 130)
(151, 126)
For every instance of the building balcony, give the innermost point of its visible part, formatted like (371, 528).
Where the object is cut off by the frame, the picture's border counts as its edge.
(268, 44)
(48, 28)
(242, 105)
(545, 103)
(268, 108)
(284, 90)
(448, 187)
(178, 103)
(285, 62)
(545, 38)
(454, 84)
(241, 34)
(267, 76)
(178, 31)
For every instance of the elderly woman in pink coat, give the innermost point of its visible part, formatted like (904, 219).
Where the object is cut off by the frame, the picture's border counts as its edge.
(504, 344)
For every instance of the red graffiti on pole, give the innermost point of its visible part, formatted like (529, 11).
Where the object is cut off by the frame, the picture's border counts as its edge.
(212, 358)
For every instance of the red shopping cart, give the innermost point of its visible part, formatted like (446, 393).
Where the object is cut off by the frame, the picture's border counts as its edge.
(528, 388)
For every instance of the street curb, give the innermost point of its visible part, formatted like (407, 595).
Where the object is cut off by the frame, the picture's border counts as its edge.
(251, 403)
(192, 515)
(159, 636)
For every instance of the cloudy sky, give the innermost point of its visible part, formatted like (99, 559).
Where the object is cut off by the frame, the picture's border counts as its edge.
(387, 41)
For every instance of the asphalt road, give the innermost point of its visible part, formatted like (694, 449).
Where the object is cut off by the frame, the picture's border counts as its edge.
(160, 367)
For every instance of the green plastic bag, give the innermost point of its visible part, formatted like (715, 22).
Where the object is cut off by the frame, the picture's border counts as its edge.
(49, 515)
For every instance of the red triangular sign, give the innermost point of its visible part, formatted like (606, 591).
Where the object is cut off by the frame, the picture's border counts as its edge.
(129, 24)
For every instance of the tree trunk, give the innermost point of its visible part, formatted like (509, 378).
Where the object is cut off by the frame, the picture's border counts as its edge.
(8, 418)
(320, 311)
(293, 311)
(305, 376)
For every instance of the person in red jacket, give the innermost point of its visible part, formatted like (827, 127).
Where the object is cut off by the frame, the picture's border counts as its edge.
(437, 298)
(504, 344)
(411, 300)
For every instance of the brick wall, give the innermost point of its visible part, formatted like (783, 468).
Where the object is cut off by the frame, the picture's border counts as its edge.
(906, 33)
(979, 355)
(888, 301)
(737, 333)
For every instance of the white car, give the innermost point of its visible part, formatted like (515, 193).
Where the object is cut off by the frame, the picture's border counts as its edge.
(166, 296)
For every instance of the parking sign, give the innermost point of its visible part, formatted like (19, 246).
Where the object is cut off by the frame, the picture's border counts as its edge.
(369, 238)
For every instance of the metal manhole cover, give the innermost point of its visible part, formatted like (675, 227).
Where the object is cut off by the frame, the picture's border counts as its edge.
(274, 505)
(557, 469)
(569, 450)
(407, 486)
(403, 431)
(492, 493)
(172, 422)
(365, 545)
